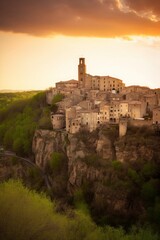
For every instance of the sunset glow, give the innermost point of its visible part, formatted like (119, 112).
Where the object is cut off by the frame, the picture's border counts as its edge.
(41, 41)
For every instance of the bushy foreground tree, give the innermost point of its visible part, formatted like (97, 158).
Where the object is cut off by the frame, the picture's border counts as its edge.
(24, 215)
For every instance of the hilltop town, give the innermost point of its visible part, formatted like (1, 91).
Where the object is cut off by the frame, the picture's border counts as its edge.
(92, 101)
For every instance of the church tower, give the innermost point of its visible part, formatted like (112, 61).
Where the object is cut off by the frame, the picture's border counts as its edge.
(81, 72)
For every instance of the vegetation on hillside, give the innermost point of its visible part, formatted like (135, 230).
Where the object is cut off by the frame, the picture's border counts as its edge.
(56, 99)
(135, 183)
(122, 193)
(19, 120)
(7, 98)
(25, 214)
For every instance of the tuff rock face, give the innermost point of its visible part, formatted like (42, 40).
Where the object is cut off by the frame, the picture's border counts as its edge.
(80, 148)
(89, 159)
(46, 142)
(95, 162)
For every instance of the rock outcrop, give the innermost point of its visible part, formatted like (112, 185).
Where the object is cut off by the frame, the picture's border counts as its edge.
(45, 142)
(95, 163)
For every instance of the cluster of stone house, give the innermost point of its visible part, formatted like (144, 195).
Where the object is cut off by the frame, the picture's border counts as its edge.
(95, 100)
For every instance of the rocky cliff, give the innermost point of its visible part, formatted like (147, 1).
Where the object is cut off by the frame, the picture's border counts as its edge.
(45, 142)
(98, 163)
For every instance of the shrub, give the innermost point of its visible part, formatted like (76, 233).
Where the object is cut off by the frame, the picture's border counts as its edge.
(116, 165)
(79, 201)
(92, 160)
(57, 98)
(134, 176)
(149, 191)
(24, 215)
(149, 170)
(56, 161)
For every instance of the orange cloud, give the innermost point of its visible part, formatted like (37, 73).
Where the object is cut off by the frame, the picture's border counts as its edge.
(144, 5)
(99, 18)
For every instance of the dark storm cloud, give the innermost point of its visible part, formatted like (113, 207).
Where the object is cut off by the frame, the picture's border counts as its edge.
(100, 18)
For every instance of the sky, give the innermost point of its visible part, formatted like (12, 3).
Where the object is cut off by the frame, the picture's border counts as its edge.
(41, 41)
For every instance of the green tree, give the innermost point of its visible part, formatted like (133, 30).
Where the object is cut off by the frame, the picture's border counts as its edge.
(20, 120)
(57, 98)
(26, 215)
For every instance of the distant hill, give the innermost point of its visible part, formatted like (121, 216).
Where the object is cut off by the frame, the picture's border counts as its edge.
(14, 91)
(7, 98)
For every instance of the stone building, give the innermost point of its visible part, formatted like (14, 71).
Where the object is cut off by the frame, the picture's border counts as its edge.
(75, 125)
(136, 88)
(90, 119)
(104, 113)
(101, 83)
(58, 121)
(96, 100)
(87, 105)
(110, 84)
(156, 115)
(70, 84)
(81, 73)
(124, 109)
(70, 115)
(114, 111)
(137, 109)
(151, 101)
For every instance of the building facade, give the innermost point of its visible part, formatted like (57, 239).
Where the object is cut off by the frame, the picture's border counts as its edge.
(96, 100)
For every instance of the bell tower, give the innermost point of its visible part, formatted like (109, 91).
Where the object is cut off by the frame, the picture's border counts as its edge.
(81, 72)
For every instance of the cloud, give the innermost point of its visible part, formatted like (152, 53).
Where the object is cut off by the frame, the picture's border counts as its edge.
(144, 8)
(99, 18)
(144, 5)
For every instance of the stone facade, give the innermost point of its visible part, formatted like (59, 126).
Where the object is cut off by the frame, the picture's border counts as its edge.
(81, 73)
(71, 84)
(156, 115)
(137, 109)
(58, 121)
(122, 127)
(96, 100)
